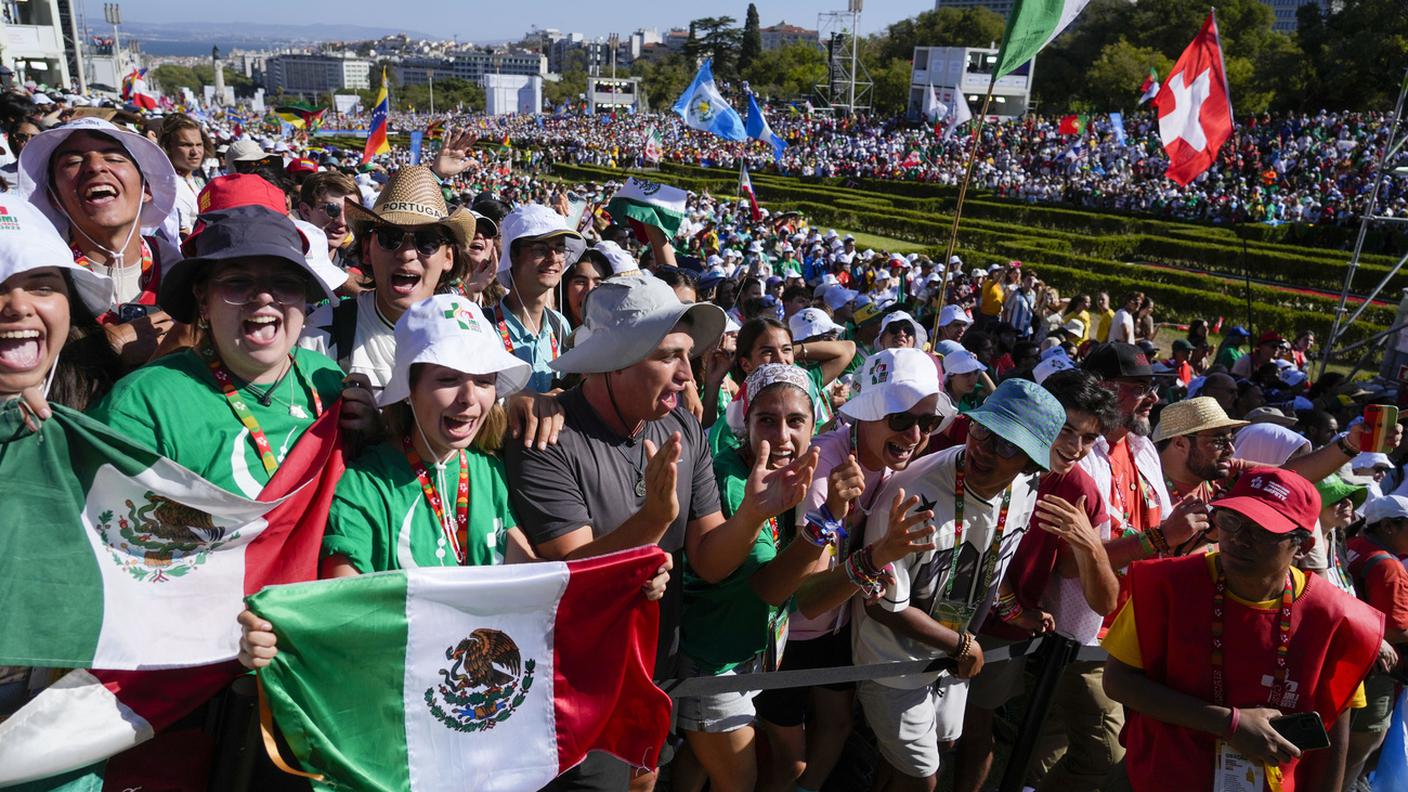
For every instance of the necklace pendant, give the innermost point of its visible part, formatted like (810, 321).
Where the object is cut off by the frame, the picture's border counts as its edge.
(297, 412)
(640, 488)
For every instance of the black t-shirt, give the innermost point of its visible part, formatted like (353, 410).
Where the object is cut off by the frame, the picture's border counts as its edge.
(589, 478)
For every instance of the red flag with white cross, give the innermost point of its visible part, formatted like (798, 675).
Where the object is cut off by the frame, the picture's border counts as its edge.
(1195, 109)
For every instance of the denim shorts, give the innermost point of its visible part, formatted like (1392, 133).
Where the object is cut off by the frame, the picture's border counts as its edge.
(719, 712)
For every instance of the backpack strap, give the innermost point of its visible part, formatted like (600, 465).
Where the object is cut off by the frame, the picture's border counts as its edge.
(1361, 580)
(344, 331)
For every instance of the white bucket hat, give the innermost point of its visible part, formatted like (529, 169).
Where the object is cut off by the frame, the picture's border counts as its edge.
(156, 170)
(962, 362)
(953, 313)
(329, 274)
(893, 381)
(535, 221)
(622, 263)
(921, 336)
(810, 323)
(28, 241)
(628, 316)
(451, 331)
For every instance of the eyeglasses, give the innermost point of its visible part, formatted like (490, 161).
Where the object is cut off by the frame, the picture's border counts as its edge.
(1222, 442)
(332, 209)
(427, 240)
(901, 422)
(901, 327)
(543, 250)
(986, 436)
(1139, 388)
(241, 289)
(1233, 525)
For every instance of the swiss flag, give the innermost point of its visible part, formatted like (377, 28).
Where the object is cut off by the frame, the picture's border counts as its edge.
(1195, 110)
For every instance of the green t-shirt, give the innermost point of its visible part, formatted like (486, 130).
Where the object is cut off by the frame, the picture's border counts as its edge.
(174, 406)
(727, 623)
(1227, 356)
(380, 520)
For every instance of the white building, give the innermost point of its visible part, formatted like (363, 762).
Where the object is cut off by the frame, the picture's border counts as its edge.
(316, 75)
(967, 69)
(505, 94)
(38, 40)
(620, 95)
(469, 66)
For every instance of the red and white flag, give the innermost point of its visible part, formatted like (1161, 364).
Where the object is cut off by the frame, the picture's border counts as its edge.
(1150, 87)
(745, 186)
(1195, 107)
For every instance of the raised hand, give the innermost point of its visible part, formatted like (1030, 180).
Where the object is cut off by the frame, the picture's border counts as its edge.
(662, 502)
(454, 153)
(1070, 522)
(909, 531)
(772, 492)
(845, 483)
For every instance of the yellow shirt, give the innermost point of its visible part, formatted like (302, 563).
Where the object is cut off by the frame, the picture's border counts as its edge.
(993, 297)
(1102, 325)
(1122, 639)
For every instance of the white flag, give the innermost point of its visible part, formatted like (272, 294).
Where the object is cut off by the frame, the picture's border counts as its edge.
(937, 110)
(960, 113)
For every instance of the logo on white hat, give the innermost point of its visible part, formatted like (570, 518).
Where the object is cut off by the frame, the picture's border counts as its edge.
(463, 317)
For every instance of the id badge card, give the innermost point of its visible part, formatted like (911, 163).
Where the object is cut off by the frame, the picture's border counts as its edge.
(777, 640)
(1235, 772)
(953, 615)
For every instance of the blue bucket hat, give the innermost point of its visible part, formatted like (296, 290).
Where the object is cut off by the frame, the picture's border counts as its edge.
(1024, 414)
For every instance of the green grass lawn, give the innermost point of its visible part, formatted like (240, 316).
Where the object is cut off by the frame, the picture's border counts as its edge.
(876, 242)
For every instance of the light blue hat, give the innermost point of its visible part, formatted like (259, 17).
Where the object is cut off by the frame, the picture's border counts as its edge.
(1024, 414)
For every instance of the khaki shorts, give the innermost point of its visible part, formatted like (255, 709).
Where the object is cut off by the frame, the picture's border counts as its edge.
(1375, 717)
(909, 723)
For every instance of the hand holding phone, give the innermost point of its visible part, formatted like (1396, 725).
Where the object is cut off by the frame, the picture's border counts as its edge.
(1304, 730)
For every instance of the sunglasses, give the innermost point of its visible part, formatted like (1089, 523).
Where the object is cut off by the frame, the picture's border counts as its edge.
(331, 209)
(241, 289)
(427, 240)
(1001, 447)
(901, 422)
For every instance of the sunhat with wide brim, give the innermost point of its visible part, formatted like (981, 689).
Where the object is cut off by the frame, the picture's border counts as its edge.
(412, 198)
(28, 242)
(627, 317)
(921, 336)
(893, 381)
(537, 222)
(34, 182)
(1024, 414)
(1334, 489)
(451, 331)
(1190, 416)
(237, 233)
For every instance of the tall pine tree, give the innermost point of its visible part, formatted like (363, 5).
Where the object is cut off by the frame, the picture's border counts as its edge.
(752, 45)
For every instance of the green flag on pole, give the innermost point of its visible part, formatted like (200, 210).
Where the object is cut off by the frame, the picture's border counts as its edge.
(1031, 25)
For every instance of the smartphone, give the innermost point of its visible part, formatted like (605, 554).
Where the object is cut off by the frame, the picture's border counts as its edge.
(1378, 426)
(1304, 730)
(130, 312)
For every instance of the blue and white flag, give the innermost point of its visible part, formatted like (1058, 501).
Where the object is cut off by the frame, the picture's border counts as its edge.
(702, 107)
(1117, 127)
(758, 129)
(417, 141)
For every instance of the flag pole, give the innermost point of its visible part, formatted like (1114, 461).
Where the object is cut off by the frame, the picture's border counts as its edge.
(962, 193)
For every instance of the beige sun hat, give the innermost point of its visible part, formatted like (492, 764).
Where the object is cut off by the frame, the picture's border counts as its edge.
(411, 198)
(1198, 414)
(1270, 415)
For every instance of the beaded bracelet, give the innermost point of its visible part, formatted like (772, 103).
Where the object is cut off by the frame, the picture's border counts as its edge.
(821, 529)
(965, 645)
(1008, 608)
(1156, 538)
(858, 573)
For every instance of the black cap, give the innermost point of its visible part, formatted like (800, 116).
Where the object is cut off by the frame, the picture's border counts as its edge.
(1116, 360)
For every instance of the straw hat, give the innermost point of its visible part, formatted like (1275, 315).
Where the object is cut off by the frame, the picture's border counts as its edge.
(1191, 416)
(412, 197)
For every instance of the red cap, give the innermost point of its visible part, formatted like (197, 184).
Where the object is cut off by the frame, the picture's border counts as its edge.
(240, 189)
(1278, 500)
(302, 165)
(1270, 337)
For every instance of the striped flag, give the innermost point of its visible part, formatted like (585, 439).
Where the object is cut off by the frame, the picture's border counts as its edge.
(1031, 25)
(121, 560)
(506, 675)
(745, 186)
(1150, 87)
(376, 138)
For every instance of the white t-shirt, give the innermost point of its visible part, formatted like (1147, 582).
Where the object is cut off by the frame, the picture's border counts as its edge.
(922, 580)
(374, 340)
(1122, 327)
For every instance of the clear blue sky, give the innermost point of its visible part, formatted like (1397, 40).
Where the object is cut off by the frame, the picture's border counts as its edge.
(478, 20)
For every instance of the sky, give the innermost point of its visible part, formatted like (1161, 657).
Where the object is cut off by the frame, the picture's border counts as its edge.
(485, 21)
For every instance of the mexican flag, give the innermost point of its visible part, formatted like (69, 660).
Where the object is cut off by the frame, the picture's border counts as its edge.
(648, 203)
(653, 145)
(1031, 25)
(1150, 87)
(119, 560)
(506, 675)
(1073, 124)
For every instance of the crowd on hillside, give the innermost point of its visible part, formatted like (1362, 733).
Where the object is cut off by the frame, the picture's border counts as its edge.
(851, 456)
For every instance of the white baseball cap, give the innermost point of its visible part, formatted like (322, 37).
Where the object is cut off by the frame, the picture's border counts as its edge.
(837, 296)
(535, 221)
(1389, 507)
(953, 313)
(622, 263)
(962, 362)
(810, 323)
(893, 381)
(1050, 366)
(451, 331)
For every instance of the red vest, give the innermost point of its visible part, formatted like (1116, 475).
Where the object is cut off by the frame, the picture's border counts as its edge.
(1334, 641)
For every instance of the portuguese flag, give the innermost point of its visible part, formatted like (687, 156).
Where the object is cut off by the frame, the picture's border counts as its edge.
(507, 675)
(121, 563)
(1073, 124)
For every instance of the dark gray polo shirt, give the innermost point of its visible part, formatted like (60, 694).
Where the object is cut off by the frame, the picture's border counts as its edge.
(589, 478)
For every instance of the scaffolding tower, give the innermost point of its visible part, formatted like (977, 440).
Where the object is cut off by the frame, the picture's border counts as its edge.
(848, 86)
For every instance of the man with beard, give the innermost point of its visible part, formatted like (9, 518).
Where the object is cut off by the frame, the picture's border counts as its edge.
(1194, 439)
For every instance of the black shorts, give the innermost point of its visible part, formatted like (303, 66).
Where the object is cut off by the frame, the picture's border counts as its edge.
(789, 706)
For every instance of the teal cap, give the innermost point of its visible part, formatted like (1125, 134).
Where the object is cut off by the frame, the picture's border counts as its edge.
(1024, 414)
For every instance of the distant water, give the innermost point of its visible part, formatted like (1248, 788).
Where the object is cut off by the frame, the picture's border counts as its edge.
(194, 48)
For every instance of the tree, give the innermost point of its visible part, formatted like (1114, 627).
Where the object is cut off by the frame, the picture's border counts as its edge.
(752, 44)
(664, 80)
(1115, 76)
(946, 27)
(718, 39)
(890, 91)
(789, 72)
(171, 78)
(568, 89)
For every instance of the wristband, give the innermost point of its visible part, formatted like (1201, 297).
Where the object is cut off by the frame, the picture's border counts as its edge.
(821, 529)
(1232, 723)
(1345, 447)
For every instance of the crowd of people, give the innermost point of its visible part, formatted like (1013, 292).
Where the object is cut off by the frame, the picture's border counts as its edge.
(852, 456)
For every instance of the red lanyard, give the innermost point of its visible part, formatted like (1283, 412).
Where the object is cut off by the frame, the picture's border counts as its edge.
(990, 566)
(1283, 642)
(508, 342)
(147, 282)
(240, 406)
(458, 536)
(776, 536)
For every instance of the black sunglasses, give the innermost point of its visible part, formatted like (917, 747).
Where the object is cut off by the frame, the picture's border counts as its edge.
(901, 422)
(427, 240)
(331, 209)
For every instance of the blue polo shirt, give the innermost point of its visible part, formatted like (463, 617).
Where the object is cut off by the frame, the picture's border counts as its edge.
(537, 350)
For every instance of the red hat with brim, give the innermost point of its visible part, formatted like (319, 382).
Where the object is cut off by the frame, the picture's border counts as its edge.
(1277, 500)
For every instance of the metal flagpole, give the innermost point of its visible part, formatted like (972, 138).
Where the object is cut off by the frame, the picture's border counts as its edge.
(962, 193)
